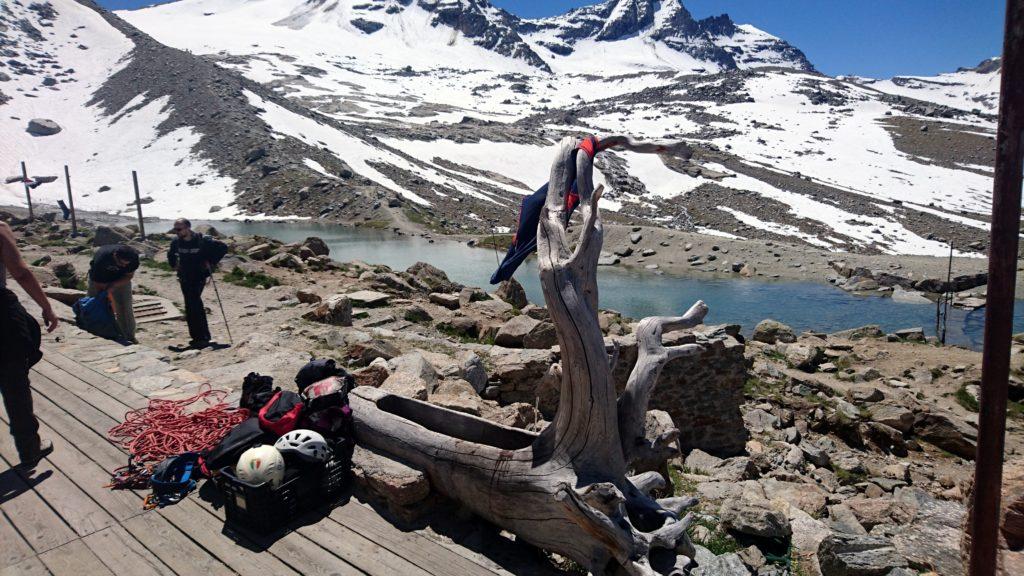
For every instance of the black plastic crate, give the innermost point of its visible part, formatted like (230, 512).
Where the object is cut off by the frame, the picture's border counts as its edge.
(264, 509)
(260, 507)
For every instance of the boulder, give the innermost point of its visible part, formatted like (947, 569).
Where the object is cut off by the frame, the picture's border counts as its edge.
(947, 432)
(449, 301)
(336, 311)
(754, 518)
(730, 564)
(512, 291)
(460, 326)
(541, 336)
(317, 246)
(42, 127)
(772, 331)
(432, 277)
(368, 298)
(307, 296)
(286, 260)
(911, 334)
(473, 370)
(513, 332)
(606, 259)
(842, 554)
(416, 313)
(636, 237)
(414, 363)
(804, 357)
(407, 384)
(396, 483)
(757, 420)
(362, 353)
(373, 375)
(105, 235)
(260, 251)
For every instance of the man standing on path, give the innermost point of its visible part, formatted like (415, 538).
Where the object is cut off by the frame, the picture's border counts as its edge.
(194, 255)
(112, 268)
(19, 350)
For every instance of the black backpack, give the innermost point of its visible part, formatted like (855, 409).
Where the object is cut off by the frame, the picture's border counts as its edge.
(317, 370)
(257, 390)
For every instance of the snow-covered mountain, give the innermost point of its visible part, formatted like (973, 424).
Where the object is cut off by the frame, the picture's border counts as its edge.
(715, 43)
(444, 112)
(967, 88)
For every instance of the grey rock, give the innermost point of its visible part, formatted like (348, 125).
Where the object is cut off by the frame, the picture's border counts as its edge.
(842, 554)
(772, 331)
(636, 237)
(512, 291)
(42, 127)
(450, 301)
(513, 332)
(754, 518)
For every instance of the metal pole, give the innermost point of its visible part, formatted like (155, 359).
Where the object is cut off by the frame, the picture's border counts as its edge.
(138, 205)
(948, 296)
(28, 196)
(1002, 269)
(71, 202)
(222, 312)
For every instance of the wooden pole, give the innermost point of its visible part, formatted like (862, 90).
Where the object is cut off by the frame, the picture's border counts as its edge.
(71, 202)
(28, 195)
(138, 204)
(1002, 269)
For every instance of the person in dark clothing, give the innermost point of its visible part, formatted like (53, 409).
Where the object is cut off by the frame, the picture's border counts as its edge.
(112, 268)
(19, 350)
(193, 256)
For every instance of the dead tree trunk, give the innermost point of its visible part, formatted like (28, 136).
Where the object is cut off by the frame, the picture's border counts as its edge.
(566, 489)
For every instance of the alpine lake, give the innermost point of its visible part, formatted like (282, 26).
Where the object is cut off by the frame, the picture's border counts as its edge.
(734, 300)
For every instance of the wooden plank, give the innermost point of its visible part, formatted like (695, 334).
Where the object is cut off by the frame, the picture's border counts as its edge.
(89, 374)
(94, 397)
(27, 567)
(123, 554)
(75, 508)
(14, 548)
(85, 426)
(38, 524)
(414, 547)
(74, 559)
(364, 554)
(203, 528)
(296, 550)
(173, 548)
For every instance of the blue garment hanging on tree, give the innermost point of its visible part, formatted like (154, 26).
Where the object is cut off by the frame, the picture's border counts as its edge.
(524, 242)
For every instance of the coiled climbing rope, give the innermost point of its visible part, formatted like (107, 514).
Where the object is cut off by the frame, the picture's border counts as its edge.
(167, 428)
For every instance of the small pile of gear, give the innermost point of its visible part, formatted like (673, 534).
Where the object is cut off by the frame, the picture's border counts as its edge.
(274, 455)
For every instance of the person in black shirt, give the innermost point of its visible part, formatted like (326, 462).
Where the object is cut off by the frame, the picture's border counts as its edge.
(193, 256)
(112, 268)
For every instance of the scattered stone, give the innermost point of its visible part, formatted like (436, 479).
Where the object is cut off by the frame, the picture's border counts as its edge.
(336, 311)
(636, 237)
(368, 298)
(858, 555)
(512, 291)
(42, 127)
(754, 518)
(307, 296)
(416, 313)
(513, 332)
(450, 301)
(772, 331)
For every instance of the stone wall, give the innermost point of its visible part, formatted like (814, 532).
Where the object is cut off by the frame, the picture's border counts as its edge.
(702, 394)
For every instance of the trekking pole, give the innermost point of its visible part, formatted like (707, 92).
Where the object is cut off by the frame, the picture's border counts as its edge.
(494, 244)
(221, 304)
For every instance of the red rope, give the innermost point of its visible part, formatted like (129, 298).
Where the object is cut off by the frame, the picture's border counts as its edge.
(167, 428)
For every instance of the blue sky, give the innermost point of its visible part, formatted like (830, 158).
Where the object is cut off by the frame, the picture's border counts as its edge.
(876, 38)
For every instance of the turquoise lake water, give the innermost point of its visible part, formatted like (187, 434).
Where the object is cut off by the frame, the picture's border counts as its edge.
(744, 301)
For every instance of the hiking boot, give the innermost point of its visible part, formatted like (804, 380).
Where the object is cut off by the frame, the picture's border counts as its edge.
(198, 344)
(44, 450)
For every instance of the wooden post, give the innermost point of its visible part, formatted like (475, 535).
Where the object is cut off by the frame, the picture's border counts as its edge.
(1002, 270)
(71, 202)
(28, 196)
(138, 204)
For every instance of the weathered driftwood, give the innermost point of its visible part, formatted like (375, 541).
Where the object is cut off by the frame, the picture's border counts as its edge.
(567, 489)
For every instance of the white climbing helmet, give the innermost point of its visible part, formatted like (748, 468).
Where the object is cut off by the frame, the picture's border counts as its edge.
(307, 444)
(261, 464)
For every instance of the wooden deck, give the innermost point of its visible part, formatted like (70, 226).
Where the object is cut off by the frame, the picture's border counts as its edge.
(61, 519)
